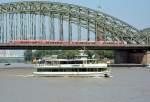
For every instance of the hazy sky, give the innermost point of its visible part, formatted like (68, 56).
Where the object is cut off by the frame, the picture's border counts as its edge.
(134, 12)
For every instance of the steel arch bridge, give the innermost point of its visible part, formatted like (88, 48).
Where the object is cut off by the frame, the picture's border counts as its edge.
(42, 20)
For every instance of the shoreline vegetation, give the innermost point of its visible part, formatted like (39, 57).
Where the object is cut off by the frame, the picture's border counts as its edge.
(102, 55)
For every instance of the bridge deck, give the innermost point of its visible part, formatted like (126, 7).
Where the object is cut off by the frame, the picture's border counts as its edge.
(72, 47)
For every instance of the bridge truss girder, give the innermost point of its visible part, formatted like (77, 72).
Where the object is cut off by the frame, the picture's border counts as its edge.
(98, 22)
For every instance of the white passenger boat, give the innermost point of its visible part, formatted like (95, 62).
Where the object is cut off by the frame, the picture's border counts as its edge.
(80, 66)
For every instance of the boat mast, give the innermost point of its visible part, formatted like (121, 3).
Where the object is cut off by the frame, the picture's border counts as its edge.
(100, 5)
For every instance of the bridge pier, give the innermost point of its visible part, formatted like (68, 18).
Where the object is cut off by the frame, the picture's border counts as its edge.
(132, 56)
(120, 56)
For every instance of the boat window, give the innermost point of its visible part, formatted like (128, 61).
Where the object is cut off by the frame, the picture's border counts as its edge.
(44, 70)
(102, 69)
(68, 70)
(71, 62)
(61, 70)
(92, 69)
(54, 70)
(82, 70)
(71, 69)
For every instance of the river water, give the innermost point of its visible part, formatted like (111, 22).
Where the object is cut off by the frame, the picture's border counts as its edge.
(126, 85)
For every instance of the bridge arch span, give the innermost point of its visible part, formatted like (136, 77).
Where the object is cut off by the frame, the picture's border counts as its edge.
(101, 25)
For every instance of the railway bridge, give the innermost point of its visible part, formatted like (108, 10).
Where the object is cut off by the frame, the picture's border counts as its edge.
(53, 25)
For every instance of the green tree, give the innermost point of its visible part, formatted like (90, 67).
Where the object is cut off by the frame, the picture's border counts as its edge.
(61, 53)
(98, 54)
(68, 54)
(109, 54)
(28, 55)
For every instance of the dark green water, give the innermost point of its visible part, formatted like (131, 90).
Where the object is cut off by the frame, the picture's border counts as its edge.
(126, 85)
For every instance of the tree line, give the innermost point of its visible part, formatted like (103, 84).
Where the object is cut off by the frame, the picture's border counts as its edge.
(67, 54)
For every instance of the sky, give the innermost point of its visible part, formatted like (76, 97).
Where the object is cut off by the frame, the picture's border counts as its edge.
(134, 12)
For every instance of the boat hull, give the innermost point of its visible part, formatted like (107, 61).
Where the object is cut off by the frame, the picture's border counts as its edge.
(73, 74)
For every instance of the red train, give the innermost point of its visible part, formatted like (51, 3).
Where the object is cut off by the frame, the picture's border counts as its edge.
(52, 42)
(29, 41)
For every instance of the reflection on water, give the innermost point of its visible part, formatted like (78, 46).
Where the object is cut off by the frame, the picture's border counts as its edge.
(126, 85)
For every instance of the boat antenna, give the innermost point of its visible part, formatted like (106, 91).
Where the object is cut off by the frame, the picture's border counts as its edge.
(84, 49)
